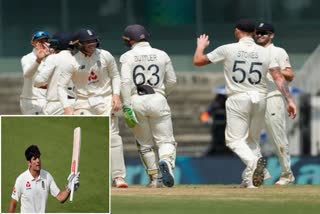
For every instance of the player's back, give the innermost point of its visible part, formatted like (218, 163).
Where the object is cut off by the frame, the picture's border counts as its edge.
(245, 67)
(145, 66)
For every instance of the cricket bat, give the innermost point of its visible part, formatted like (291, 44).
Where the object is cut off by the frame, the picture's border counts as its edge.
(75, 155)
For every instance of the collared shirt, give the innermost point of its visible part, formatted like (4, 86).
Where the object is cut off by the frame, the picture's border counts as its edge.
(30, 69)
(144, 65)
(33, 192)
(282, 59)
(246, 65)
(92, 76)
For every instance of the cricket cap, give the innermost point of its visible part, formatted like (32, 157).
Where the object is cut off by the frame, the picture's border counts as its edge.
(263, 26)
(245, 25)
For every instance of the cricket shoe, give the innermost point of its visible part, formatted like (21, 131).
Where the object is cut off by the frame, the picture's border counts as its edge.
(285, 179)
(258, 173)
(167, 173)
(246, 183)
(155, 181)
(119, 183)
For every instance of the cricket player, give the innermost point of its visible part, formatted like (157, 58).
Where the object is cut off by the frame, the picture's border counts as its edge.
(275, 116)
(96, 80)
(33, 99)
(50, 70)
(33, 186)
(246, 65)
(147, 78)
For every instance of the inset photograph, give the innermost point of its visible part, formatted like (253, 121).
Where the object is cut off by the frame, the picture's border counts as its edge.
(55, 164)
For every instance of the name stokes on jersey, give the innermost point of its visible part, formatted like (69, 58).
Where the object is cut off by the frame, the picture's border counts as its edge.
(244, 68)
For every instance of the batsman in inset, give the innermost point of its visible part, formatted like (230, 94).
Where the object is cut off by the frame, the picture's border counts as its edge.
(33, 186)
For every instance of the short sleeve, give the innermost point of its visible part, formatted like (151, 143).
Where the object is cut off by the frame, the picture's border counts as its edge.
(217, 54)
(16, 191)
(54, 190)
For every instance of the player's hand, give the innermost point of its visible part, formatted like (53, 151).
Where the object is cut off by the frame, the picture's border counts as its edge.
(42, 50)
(129, 116)
(68, 110)
(203, 41)
(292, 109)
(75, 180)
(116, 103)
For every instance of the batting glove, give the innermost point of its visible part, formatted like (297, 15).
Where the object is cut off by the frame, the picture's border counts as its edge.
(129, 116)
(75, 179)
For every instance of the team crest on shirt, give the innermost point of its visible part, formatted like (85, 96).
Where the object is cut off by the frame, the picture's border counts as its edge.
(93, 78)
(28, 185)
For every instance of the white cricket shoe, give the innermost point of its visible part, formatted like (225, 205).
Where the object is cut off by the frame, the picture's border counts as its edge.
(119, 183)
(258, 173)
(246, 183)
(167, 173)
(285, 179)
(155, 181)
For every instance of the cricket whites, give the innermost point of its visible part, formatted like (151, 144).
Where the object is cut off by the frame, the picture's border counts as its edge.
(75, 156)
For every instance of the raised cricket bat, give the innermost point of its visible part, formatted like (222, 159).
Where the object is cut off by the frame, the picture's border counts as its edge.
(75, 155)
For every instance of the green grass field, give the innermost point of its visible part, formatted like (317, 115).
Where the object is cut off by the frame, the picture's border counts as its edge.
(216, 199)
(54, 136)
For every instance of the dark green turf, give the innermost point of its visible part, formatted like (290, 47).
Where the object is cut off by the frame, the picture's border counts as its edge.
(54, 136)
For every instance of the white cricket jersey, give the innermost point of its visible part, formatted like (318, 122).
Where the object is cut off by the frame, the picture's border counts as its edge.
(33, 192)
(246, 65)
(144, 65)
(30, 69)
(50, 70)
(92, 76)
(282, 59)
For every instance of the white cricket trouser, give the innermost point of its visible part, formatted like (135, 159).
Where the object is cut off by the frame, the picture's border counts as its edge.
(82, 107)
(32, 106)
(55, 107)
(244, 125)
(155, 125)
(275, 118)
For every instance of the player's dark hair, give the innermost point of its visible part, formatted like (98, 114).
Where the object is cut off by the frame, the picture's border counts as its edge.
(32, 151)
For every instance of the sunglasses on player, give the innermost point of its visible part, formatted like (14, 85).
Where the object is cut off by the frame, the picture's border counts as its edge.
(262, 33)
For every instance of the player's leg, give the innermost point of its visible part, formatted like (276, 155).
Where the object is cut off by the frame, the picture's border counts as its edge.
(146, 146)
(32, 107)
(276, 128)
(53, 108)
(239, 108)
(118, 170)
(162, 133)
(256, 125)
(147, 151)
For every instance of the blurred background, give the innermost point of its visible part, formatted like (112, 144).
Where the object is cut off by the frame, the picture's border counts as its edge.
(174, 26)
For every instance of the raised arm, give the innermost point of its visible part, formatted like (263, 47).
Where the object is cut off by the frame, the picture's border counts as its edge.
(199, 58)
